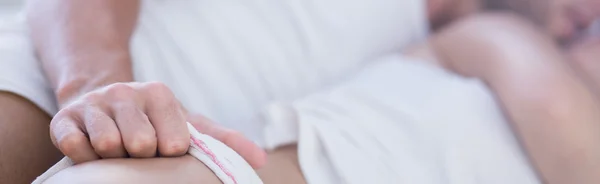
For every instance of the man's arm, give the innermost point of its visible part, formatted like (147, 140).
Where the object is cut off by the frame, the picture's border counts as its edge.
(553, 113)
(84, 48)
(83, 44)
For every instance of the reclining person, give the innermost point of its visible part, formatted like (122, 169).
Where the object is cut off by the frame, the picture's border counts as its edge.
(72, 119)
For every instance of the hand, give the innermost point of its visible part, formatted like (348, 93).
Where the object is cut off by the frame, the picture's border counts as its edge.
(138, 120)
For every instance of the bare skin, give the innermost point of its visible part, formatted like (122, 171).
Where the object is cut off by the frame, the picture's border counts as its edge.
(24, 136)
(282, 167)
(584, 58)
(552, 111)
(106, 59)
(85, 52)
(84, 49)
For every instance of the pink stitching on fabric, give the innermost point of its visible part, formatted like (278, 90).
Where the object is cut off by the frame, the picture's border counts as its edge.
(212, 156)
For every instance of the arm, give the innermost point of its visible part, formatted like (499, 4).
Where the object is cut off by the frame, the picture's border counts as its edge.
(83, 45)
(84, 48)
(553, 113)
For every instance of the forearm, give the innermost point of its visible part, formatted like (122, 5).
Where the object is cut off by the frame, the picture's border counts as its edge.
(553, 113)
(83, 44)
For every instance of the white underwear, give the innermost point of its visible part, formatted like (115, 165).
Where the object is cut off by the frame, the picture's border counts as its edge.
(227, 165)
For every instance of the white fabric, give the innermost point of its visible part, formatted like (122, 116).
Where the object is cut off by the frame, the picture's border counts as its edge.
(227, 59)
(401, 121)
(6, 6)
(227, 165)
(20, 72)
(229, 161)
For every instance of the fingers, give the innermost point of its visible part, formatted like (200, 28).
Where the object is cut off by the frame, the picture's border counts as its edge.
(70, 139)
(253, 154)
(104, 135)
(138, 134)
(122, 119)
(165, 114)
(126, 106)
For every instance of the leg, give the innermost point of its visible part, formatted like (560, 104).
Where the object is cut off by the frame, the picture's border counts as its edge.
(282, 167)
(25, 147)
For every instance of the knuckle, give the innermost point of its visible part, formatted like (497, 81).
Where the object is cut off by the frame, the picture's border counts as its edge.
(61, 115)
(141, 143)
(175, 148)
(70, 143)
(156, 85)
(66, 112)
(119, 87)
(59, 127)
(106, 144)
(160, 96)
(77, 108)
(120, 91)
(158, 88)
(91, 97)
(128, 108)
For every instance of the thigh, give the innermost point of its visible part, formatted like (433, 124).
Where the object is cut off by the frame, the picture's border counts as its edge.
(281, 168)
(25, 146)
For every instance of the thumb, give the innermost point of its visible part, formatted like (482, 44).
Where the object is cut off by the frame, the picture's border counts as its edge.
(253, 154)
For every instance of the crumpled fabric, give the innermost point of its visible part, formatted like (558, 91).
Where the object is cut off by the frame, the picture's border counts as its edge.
(401, 120)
